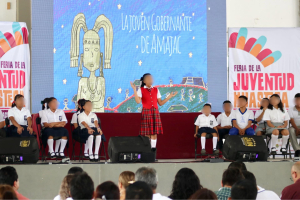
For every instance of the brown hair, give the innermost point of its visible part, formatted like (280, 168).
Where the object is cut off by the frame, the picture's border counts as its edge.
(7, 192)
(64, 191)
(125, 178)
(204, 194)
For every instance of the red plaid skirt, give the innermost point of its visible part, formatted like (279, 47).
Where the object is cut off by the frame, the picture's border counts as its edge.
(151, 123)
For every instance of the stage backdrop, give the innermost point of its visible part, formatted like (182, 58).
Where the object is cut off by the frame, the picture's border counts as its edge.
(14, 64)
(100, 46)
(263, 61)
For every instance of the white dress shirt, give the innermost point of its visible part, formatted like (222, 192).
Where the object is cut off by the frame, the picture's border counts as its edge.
(263, 194)
(158, 196)
(206, 121)
(276, 115)
(139, 92)
(19, 115)
(295, 114)
(57, 116)
(224, 120)
(257, 114)
(74, 118)
(242, 119)
(88, 119)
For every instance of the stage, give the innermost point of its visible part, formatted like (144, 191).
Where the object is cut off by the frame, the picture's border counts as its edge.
(42, 180)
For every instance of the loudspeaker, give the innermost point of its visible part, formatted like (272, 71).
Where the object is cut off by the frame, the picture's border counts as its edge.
(245, 148)
(130, 149)
(19, 150)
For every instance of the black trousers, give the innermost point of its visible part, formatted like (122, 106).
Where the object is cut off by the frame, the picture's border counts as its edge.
(222, 133)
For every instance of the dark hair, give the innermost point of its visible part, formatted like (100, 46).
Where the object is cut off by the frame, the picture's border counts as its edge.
(207, 104)
(243, 97)
(82, 186)
(46, 100)
(297, 95)
(204, 194)
(107, 189)
(8, 176)
(18, 96)
(185, 184)
(142, 79)
(244, 189)
(238, 164)
(231, 176)
(7, 192)
(139, 190)
(51, 99)
(263, 99)
(249, 176)
(280, 105)
(74, 170)
(227, 101)
(81, 103)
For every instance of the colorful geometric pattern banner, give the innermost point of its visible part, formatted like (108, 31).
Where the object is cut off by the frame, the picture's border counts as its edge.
(14, 64)
(263, 61)
(100, 46)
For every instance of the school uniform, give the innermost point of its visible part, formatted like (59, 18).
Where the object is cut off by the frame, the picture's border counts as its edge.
(74, 120)
(2, 130)
(294, 114)
(242, 119)
(224, 120)
(20, 117)
(261, 123)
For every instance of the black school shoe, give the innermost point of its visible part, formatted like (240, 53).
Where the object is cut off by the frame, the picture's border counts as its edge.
(216, 151)
(297, 153)
(283, 151)
(51, 155)
(273, 150)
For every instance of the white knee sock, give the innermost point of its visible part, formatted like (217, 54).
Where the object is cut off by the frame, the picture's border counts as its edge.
(89, 142)
(57, 143)
(50, 145)
(215, 140)
(86, 148)
(274, 139)
(97, 144)
(203, 139)
(284, 140)
(153, 143)
(63, 145)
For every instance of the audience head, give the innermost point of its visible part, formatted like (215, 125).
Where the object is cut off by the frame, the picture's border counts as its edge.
(264, 103)
(206, 109)
(18, 101)
(125, 179)
(107, 190)
(227, 106)
(249, 176)
(7, 192)
(275, 101)
(297, 99)
(238, 164)
(139, 190)
(204, 194)
(148, 175)
(80, 104)
(242, 101)
(52, 103)
(295, 172)
(64, 191)
(82, 186)
(243, 189)
(231, 176)
(9, 176)
(74, 170)
(185, 184)
(146, 79)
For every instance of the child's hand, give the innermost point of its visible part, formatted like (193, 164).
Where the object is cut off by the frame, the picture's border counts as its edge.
(132, 85)
(173, 94)
(195, 135)
(90, 131)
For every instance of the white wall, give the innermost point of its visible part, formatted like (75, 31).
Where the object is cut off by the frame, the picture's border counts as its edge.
(8, 15)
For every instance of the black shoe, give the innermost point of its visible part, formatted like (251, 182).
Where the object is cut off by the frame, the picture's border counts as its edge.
(51, 155)
(283, 151)
(86, 155)
(154, 151)
(273, 151)
(96, 158)
(91, 157)
(297, 153)
(62, 155)
(203, 152)
(216, 151)
(57, 155)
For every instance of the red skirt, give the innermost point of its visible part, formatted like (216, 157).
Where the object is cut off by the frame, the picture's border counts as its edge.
(151, 123)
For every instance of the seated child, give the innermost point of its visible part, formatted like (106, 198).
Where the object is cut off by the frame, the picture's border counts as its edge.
(294, 130)
(264, 104)
(206, 124)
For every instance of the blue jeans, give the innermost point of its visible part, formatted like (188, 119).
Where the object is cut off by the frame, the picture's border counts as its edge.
(235, 131)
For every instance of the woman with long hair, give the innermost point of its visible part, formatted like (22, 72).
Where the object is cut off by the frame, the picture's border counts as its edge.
(125, 179)
(64, 190)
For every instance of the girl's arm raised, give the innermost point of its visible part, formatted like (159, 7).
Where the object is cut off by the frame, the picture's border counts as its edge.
(162, 102)
(136, 97)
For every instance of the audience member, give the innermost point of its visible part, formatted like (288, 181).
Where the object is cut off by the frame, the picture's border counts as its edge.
(185, 184)
(107, 190)
(64, 191)
(295, 125)
(139, 190)
(9, 176)
(204, 194)
(74, 170)
(230, 177)
(149, 176)
(125, 178)
(7, 192)
(261, 192)
(238, 164)
(243, 189)
(293, 191)
(82, 186)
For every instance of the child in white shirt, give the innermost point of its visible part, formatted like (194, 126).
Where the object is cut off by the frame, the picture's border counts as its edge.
(259, 114)
(294, 130)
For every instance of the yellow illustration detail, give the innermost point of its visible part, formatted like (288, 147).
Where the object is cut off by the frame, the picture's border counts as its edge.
(25, 143)
(249, 142)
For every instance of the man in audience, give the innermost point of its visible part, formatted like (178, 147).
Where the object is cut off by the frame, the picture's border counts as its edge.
(295, 122)
(243, 189)
(293, 191)
(9, 176)
(230, 177)
(238, 164)
(261, 192)
(149, 176)
(139, 190)
(82, 186)
(74, 170)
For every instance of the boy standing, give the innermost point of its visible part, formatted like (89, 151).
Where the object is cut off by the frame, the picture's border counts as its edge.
(206, 124)
(294, 130)
(224, 120)
(242, 119)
